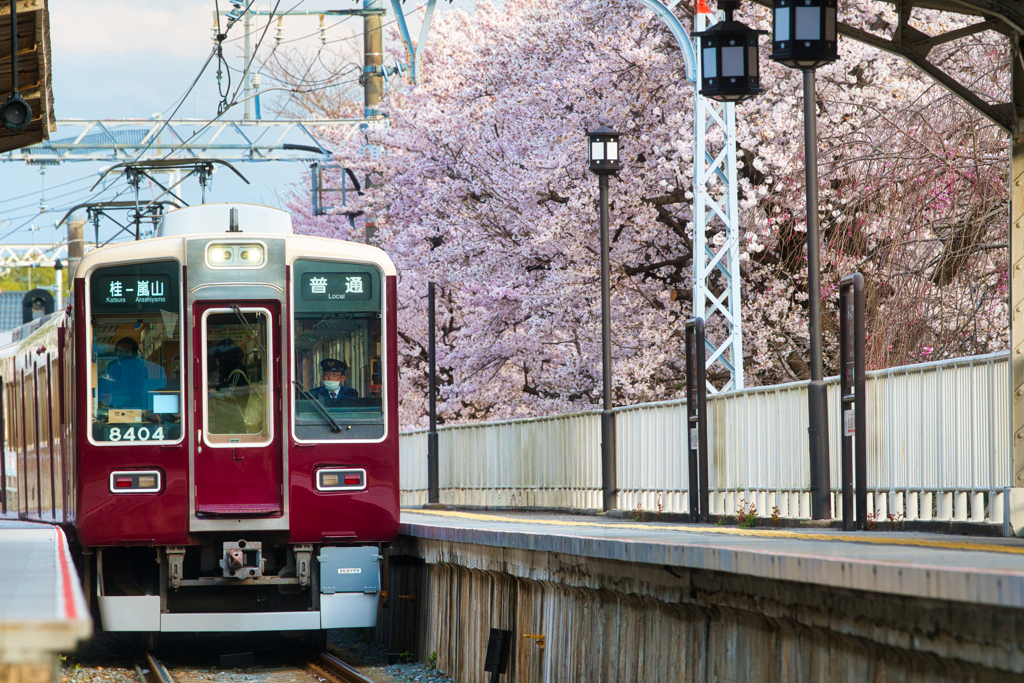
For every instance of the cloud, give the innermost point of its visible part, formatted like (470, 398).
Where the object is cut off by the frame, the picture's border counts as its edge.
(140, 30)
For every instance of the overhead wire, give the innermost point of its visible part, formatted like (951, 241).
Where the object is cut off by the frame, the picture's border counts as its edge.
(256, 50)
(25, 206)
(31, 217)
(54, 187)
(215, 52)
(169, 118)
(224, 110)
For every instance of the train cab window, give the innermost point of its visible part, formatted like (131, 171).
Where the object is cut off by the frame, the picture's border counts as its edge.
(338, 381)
(135, 385)
(237, 376)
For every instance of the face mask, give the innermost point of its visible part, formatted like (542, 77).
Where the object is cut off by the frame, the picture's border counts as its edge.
(332, 386)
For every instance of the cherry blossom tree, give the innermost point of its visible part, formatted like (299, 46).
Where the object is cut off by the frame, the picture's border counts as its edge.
(481, 186)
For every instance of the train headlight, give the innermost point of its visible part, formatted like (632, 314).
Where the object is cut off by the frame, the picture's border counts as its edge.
(218, 255)
(235, 255)
(251, 256)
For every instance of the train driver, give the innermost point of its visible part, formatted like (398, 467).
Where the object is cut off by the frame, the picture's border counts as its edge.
(128, 377)
(332, 384)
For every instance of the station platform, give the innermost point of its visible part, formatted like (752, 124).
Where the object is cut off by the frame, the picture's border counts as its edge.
(42, 608)
(982, 571)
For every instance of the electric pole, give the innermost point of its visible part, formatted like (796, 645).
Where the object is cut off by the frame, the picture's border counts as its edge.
(373, 76)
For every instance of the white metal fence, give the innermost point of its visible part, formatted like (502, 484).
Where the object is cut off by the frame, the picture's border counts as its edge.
(938, 448)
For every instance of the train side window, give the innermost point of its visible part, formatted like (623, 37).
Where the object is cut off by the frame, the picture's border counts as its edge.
(339, 380)
(135, 336)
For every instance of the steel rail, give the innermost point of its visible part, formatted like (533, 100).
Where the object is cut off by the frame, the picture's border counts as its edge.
(158, 672)
(339, 669)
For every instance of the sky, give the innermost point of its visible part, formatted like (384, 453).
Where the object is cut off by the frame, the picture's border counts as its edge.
(116, 59)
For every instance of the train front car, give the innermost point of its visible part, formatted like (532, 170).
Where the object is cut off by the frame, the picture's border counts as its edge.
(238, 398)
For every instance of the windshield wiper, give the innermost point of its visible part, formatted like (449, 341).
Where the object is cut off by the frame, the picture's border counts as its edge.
(320, 407)
(253, 334)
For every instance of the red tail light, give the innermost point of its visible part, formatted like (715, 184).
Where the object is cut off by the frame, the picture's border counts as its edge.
(135, 481)
(340, 479)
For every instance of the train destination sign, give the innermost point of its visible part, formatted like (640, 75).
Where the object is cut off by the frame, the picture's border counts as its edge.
(134, 289)
(336, 286)
(142, 288)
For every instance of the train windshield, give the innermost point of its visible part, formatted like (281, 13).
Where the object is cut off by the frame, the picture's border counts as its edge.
(237, 374)
(338, 385)
(135, 385)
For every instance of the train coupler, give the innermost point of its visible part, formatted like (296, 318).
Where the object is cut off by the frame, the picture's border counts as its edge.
(242, 559)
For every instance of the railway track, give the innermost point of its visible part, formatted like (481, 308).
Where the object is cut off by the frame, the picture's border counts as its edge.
(157, 672)
(319, 668)
(338, 669)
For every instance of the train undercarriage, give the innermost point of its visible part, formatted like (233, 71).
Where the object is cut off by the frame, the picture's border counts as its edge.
(250, 584)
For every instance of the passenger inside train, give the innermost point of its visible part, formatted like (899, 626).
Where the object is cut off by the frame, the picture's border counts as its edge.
(128, 375)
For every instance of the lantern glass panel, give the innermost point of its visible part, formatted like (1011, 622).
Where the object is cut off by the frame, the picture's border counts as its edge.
(733, 61)
(830, 23)
(808, 23)
(781, 24)
(752, 65)
(710, 63)
(597, 151)
(612, 147)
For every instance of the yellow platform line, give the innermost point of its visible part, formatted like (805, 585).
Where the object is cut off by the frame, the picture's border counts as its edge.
(732, 531)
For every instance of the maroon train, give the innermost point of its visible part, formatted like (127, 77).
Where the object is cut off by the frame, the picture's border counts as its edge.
(173, 417)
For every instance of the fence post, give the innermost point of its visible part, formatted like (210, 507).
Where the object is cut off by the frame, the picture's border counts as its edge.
(697, 420)
(852, 403)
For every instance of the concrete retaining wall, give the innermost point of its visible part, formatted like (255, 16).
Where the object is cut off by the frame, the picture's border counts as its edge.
(612, 621)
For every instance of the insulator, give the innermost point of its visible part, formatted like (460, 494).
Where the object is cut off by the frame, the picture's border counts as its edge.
(323, 31)
(280, 29)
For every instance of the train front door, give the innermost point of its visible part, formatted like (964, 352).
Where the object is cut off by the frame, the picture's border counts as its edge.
(238, 456)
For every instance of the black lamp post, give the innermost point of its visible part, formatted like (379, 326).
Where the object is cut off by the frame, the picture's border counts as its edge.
(729, 70)
(433, 469)
(604, 160)
(433, 456)
(804, 37)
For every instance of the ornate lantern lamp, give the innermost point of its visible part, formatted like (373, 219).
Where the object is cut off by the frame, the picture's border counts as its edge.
(804, 33)
(15, 113)
(604, 150)
(728, 59)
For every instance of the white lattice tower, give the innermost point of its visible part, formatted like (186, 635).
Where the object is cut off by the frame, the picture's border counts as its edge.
(716, 261)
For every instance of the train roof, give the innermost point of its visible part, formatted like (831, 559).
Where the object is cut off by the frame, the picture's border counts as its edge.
(206, 218)
(212, 220)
